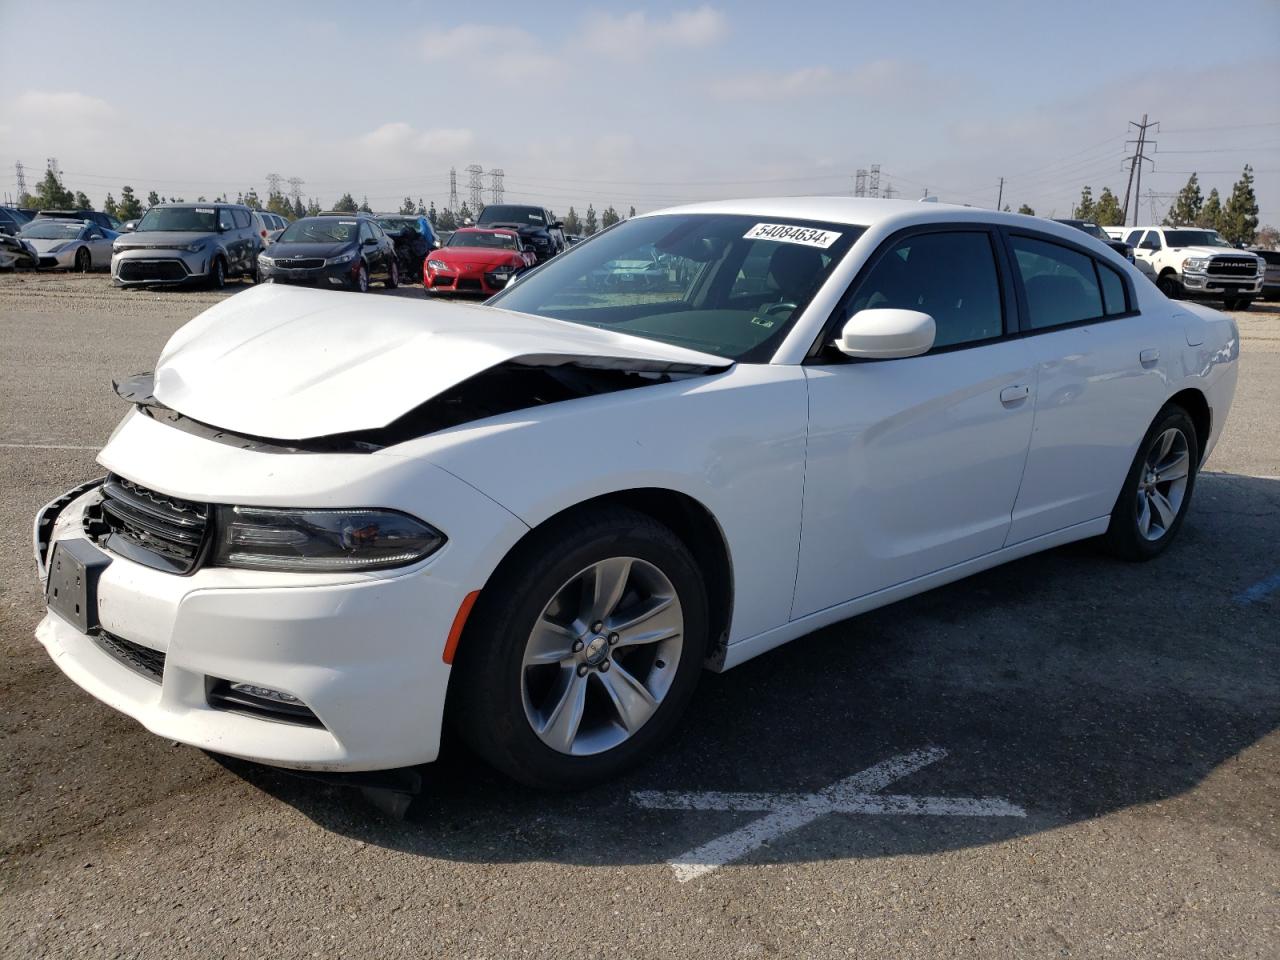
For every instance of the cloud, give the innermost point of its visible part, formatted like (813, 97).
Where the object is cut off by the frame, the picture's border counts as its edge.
(60, 106)
(503, 53)
(402, 137)
(884, 79)
(634, 35)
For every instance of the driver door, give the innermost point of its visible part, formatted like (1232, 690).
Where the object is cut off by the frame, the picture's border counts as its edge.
(914, 464)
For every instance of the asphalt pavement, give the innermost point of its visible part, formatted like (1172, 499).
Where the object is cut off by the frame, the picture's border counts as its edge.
(1067, 756)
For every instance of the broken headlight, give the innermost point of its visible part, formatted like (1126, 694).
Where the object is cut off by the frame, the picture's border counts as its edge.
(321, 540)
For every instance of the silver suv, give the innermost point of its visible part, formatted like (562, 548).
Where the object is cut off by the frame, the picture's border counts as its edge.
(188, 242)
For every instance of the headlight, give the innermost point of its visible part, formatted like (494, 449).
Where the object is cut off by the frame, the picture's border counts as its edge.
(58, 248)
(320, 540)
(264, 260)
(341, 258)
(194, 247)
(1262, 266)
(437, 265)
(1195, 263)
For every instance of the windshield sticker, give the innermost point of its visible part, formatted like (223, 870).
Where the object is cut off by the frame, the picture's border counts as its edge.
(204, 209)
(786, 233)
(347, 223)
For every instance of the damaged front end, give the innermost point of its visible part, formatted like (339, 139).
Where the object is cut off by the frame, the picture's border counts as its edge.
(517, 384)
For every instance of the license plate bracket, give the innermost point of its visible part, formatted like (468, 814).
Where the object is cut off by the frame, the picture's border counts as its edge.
(72, 589)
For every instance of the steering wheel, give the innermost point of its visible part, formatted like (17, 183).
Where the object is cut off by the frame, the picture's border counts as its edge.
(777, 308)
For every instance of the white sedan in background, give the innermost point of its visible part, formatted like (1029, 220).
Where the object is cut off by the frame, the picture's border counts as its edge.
(327, 517)
(79, 245)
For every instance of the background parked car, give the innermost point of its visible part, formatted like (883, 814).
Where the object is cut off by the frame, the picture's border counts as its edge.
(273, 223)
(16, 252)
(69, 244)
(1271, 279)
(332, 250)
(537, 228)
(183, 242)
(104, 220)
(12, 220)
(1092, 229)
(414, 238)
(476, 260)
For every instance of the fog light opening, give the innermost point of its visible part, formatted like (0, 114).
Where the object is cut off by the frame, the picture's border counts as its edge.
(256, 700)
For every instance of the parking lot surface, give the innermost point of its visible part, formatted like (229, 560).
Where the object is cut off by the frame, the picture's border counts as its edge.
(1067, 756)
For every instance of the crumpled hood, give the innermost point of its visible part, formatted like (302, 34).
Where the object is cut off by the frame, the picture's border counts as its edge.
(294, 364)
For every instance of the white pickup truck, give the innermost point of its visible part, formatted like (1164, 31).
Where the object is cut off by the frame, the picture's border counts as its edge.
(1195, 263)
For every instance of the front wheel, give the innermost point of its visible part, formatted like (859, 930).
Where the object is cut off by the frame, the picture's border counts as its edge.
(1237, 303)
(1169, 286)
(583, 650)
(1157, 491)
(360, 282)
(217, 274)
(83, 260)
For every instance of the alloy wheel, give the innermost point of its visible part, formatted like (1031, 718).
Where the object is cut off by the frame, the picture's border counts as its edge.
(602, 656)
(1162, 485)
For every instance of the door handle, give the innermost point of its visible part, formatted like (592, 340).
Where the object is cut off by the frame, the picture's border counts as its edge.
(1014, 394)
(1148, 357)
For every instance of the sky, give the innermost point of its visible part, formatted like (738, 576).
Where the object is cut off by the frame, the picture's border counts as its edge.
(641, 103)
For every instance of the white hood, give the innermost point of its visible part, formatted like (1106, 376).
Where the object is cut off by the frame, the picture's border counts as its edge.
(293, 364)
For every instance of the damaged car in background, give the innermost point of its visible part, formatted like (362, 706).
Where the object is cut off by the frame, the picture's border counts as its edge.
(330, 524)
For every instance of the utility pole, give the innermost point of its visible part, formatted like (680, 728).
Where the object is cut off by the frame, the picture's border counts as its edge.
(1136, 159)
(1000, 195)
(453, 189)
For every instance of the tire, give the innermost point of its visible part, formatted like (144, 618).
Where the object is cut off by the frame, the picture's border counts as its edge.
(217, 274)
(1169, 286)
(360, 282)
(84, 260)
(499, 700)
(1140, 529)
(1237, 303)
(393, 276)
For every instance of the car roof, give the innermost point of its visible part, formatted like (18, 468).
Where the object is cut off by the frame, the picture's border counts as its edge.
(867, 212)
(201, 203)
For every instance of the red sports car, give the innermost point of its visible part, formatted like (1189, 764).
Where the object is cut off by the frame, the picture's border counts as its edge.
(476, 260)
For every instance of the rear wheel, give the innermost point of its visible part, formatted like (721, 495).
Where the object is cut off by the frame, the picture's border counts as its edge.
(1157, 491)
(217, 273)
(393, 276)
(583, 651)
(83, 260)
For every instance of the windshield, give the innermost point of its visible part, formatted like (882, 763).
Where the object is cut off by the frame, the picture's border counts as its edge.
(1194, 238)
(509, 214)
(320, 230)
(398, 224)
(179, 220)
(51, 230)
(725, 284)
(483, 238)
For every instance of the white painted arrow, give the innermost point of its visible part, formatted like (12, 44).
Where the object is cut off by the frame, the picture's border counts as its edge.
(785, 812)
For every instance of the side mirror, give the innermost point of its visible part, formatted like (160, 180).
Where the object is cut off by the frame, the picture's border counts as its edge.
(1149, 245)
(887, 334)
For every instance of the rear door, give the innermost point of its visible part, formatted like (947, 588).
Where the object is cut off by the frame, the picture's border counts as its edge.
(913, 465)
(1101, 375)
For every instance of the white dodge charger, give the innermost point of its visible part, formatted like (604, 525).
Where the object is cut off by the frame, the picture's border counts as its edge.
(331, 523)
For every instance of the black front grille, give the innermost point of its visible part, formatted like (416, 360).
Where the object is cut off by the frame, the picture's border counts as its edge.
(139, 659)
(48, 261)
(303, 263)
(1233, 267)
(468, 283)
(148, 527)
(152, 270)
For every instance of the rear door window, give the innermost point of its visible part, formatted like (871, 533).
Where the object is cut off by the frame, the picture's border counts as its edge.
(1060, 283)
(225, 220)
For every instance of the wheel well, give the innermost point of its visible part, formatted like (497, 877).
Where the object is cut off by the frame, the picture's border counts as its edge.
(1168, 272)
(694, 524)
(1197, 407)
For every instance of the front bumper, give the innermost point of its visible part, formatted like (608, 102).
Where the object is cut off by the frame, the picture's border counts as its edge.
(480, 282)
(1213, 286)
(362, 651)
(336, 275)
(143, 267)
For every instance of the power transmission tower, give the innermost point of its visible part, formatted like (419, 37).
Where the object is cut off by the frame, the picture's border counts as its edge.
(860, 183)
(476, 188)
(495, 184)
(873, 188)
(1136, 159)
(22, 181)
(295, 189)
(453, 189)
(51, 164)
(273, 184)
(889, 192)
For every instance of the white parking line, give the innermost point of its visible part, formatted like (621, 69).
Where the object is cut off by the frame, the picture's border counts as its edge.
(790, 811)
(50, 446)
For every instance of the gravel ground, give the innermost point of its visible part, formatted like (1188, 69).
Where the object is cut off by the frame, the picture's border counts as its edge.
(1131, 711)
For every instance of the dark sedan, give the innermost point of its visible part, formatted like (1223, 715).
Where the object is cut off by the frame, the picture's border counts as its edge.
(345, 251)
